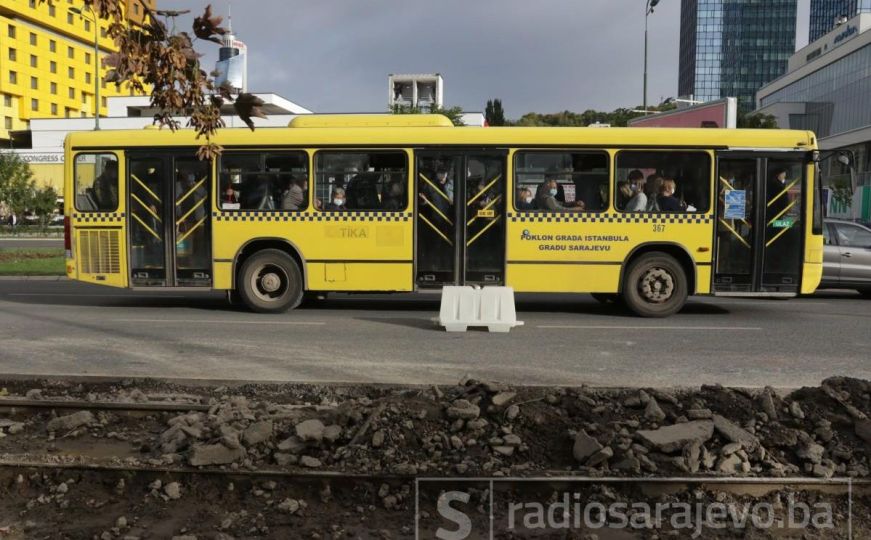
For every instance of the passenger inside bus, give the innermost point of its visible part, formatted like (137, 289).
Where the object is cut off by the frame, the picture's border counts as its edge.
(525, 201)
(105, 190)
(294, 197)
(624, 193)
(547, 198)
(394, 200)
(652, 188)
(337, 203)
(638, 200)
(667, 201)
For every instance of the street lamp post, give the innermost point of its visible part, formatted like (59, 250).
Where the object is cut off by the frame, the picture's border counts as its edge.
(648, 9)
(93, 18)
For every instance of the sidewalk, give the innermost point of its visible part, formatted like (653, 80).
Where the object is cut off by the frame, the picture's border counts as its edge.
(33, 278)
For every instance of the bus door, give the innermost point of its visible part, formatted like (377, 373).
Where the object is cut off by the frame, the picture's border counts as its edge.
(460, 218)
(170, 229)
(759, 223)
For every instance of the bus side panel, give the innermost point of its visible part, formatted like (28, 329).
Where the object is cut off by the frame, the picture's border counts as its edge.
(354, 253)
(585, 252)
(812, 269)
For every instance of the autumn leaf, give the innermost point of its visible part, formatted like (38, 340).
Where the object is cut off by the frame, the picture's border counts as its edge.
(207, 26)
(248, 106)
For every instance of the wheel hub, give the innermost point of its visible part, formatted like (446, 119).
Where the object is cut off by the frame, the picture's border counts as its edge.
(270, 282)
(657, 285)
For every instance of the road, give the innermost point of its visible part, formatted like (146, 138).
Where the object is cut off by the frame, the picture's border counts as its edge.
(66, 328)
(29, 243)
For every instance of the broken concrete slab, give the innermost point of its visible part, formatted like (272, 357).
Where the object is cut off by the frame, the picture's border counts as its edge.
(669, 439)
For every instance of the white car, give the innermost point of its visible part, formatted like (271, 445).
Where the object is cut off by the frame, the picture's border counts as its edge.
(847, 259)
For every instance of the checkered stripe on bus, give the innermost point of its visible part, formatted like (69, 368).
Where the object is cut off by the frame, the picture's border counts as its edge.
(323, 217)
(544, 217)
(98, 217)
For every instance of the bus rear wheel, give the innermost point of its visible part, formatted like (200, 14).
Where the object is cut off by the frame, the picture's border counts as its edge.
(270, 281)
(655, 285)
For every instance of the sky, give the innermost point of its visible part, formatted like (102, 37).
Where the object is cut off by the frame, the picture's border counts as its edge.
(541, 56)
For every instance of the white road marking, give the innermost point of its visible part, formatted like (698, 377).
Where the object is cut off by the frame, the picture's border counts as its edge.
(213, 321)
(637, 327)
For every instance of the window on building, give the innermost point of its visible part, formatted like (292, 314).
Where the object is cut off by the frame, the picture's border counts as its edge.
(103, 32)
(96, 182)
(34, 104)
(52, 66)
(7, 100)
(33, 61)
(11, 31)
(13, 77)
(87, 78)
(264, 181)
(673, 182)
(84, 97)
(103, 102)
(87, 25)
(33, 40)
(360, 181)
(83, 114)
(32, 4)
(54, 108)
(88, 58)
(7, 122)
(34, 83)
(72, 93)
(13, 55)
(51, 10)
(581, 181)
(70, 18)
(71, 53)
(71, 72)
(53, 88)
(52, 45)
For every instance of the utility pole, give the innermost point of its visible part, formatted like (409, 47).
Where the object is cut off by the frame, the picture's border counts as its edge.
(648, 9)
(97, 79)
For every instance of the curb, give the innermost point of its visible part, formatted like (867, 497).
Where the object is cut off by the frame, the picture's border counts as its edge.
(33, 278)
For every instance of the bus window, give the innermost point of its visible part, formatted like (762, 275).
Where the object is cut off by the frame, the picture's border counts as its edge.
(96, 182)
(264, 181)
(361, 181)
(673, 182)
(582, 179)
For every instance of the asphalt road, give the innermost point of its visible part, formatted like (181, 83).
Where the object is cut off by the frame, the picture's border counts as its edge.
(27, 243)
(67, 328)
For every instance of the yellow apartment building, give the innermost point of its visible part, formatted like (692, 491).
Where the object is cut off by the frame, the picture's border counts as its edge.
(47, 62)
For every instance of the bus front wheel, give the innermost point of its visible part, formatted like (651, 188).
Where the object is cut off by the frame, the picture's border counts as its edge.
(655, 285)
(270, 281)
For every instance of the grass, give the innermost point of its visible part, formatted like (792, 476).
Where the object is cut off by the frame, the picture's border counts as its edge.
(32, 262)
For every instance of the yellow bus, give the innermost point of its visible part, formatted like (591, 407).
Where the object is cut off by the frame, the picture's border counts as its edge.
(384, 203)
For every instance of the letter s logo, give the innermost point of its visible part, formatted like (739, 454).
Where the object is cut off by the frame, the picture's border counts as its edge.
(461, 519)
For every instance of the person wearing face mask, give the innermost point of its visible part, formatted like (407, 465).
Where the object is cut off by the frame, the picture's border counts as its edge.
(547, 198)
(667, 201)
(638, 200)
(338, 202)
(442, 194)
(294, 197)
(524, 199)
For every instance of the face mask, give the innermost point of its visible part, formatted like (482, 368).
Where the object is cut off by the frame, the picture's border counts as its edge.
(442, 178)
(527, 199)
(553, 191)
(338, 202)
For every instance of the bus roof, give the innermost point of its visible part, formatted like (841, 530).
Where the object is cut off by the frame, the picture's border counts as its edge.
(333, 133)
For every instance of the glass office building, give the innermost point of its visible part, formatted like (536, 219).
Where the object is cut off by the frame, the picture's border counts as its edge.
(825, 14)
(731, 48)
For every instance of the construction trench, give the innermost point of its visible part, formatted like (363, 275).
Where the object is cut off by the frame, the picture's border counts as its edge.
(160, 459)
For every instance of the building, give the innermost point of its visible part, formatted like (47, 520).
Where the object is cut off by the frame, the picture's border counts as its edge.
(827, 89)
(826, 15)
(415, 91)
(45, 139)
(232, 66)
(47, 64)
(733, 47)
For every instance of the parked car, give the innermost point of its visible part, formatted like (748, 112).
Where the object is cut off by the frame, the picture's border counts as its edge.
(847, 259)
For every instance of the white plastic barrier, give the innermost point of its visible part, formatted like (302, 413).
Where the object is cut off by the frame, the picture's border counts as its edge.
(492, 307)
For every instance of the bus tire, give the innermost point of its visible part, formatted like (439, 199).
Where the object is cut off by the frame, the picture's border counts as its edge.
(655, 285)
(270, 282)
